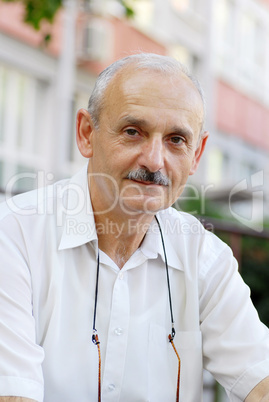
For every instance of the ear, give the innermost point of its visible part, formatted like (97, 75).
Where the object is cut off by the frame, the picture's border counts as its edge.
(84, 131)
(199, 152)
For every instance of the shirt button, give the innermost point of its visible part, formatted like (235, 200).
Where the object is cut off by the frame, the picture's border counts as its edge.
(118, 331)
(111, 387)
(121, 275)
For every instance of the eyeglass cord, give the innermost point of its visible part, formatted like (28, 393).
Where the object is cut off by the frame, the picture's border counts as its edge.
(173, 331)
(95, 338)
(171, 336)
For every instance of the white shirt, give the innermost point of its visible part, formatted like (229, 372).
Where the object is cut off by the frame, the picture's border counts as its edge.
(48, 254)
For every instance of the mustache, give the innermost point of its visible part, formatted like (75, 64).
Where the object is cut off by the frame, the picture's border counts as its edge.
(151, 177)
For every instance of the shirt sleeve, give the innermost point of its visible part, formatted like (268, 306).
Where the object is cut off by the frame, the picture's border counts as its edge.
(21, 358)
(235, 342)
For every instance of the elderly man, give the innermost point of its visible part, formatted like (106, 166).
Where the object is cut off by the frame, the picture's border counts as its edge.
(106, 292)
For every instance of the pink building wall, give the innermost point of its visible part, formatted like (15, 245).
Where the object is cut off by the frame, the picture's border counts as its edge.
(127, 39)
(241, 116)
(12, 23)
(266, 2)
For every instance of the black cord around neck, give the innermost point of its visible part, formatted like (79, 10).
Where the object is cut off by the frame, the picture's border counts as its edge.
(173, 332)
(94, 331)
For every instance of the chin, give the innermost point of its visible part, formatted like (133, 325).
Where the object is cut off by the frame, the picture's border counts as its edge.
(146, 208)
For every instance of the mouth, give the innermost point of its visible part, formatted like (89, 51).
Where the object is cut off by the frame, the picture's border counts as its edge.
(146, 183)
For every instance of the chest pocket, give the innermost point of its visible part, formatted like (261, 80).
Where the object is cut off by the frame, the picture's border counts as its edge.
(163, 365)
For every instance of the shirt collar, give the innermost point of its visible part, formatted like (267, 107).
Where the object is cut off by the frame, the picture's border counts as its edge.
(79, 225)
(152, 246)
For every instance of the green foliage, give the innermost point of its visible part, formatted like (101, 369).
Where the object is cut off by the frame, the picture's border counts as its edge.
(254, 268)
(197, 204)
(37, 11)
(129, 11)
(255, 271)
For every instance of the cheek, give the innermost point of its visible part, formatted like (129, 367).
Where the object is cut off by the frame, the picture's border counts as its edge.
(179, 179)
(180, 168)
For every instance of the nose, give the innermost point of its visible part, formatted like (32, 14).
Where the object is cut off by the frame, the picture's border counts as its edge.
(152, 154)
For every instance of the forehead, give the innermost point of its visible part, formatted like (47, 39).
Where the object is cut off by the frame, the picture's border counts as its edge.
(146, 89)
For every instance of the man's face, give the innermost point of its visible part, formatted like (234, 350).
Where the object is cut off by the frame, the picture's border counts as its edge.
(150, 122)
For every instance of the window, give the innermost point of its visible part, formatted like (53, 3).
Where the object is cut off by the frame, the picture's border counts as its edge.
(225, 20)
(182, 54)
(259, 41)
(3, 81)
(181, 5)
(143, 12)
(184, 5)
(252, 49)
(215, 167)
(22, 122)
(247, 36)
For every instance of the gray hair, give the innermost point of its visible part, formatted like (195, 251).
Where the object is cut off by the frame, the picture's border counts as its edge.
(155, 62)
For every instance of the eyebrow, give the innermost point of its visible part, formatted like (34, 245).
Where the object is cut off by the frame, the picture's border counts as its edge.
(135, 121)
(181, 131)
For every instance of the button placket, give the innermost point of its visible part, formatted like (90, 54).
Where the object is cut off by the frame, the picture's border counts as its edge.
(117, 340)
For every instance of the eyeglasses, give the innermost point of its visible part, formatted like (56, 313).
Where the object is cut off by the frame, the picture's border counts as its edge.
(95, 338)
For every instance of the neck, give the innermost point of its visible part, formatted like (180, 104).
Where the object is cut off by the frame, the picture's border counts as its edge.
(119, 238)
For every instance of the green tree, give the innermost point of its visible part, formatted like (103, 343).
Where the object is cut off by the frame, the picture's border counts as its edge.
(37, 11)
(255, 271)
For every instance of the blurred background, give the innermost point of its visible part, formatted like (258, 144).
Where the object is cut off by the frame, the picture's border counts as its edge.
(51, 52)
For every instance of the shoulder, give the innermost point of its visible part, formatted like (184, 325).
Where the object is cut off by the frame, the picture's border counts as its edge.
(33, 203)
(26, 218)
(50, 200)
(186, 228)
(196, 246)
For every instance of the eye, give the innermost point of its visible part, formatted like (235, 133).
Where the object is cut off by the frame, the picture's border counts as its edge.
(131, 132)
(177, 140)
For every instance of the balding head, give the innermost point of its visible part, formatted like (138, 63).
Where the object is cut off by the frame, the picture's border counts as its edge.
(144, 61)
